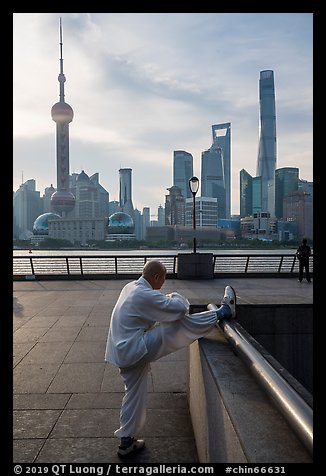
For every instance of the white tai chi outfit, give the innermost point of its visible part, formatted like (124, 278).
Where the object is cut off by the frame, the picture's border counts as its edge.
(145, 326)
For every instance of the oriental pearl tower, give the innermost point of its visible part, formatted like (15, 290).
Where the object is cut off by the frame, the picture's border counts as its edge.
(62, 201)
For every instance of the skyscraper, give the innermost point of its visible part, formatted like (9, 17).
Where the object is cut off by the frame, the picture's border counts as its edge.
(298, 207)
(222, 136)
(174, 206)
(27, 206)
(125, 192)
(160, 216)
(266, 162)
(146, 221)
(62, 200)
(245, 194)
(286, 181)
(256, 194)
(213, 176)
(182, 171)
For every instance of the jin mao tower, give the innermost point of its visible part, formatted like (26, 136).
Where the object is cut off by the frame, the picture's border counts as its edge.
(125, 192)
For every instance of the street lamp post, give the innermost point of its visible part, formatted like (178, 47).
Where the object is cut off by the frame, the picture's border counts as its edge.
(194, 185)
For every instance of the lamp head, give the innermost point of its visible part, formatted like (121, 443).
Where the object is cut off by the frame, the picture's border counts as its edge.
(194, 185)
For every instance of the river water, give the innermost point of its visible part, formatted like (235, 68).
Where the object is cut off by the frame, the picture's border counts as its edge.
(150, 252)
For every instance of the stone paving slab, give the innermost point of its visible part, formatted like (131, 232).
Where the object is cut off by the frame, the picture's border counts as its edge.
(26, 450)
(33, 378)
(78, 378)
(41, 401)
(34, 423)
(103, 450)
(47, 352)
(81, 351)
(67, 399)
(20, 350)
(83, 423)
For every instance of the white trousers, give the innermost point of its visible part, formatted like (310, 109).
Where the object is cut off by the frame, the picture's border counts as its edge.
(161, 340)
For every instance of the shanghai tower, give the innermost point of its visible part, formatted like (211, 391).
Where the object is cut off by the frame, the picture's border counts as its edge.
(266, 162)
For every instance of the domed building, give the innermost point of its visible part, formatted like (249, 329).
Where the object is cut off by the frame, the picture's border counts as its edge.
(41, 224)
(41, 227)
(120, 227)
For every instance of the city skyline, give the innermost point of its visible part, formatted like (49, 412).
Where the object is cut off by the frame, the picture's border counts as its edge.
(137, 97)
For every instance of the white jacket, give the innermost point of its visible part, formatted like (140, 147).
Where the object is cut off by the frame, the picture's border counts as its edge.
(137, 309)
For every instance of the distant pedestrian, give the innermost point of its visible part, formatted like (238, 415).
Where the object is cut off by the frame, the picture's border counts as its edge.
(145, 326)
(303, 253)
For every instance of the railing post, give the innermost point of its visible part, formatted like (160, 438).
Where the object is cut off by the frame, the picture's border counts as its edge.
(81, 265)
(247, 264)
(116, 265)
(67, 263)
(280, 265)
(32, 267)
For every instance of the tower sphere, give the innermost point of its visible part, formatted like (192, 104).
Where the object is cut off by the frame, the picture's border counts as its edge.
(62, 112)
(62, 201)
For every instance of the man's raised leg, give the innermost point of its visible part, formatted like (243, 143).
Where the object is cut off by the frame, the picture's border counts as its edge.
(166, 338)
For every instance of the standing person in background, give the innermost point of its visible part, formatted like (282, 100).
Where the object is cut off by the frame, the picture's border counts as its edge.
(303, 252)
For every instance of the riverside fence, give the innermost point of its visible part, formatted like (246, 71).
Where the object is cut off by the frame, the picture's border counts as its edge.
(124, 267)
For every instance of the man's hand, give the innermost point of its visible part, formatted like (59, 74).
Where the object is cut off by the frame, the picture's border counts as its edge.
(175, 295)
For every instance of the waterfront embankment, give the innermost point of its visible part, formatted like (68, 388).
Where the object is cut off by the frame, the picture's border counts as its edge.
(67, 400)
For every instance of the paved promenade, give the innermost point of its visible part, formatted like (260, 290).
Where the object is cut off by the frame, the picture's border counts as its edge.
(67, 399)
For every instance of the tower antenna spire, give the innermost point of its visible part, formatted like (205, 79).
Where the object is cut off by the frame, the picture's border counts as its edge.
(61, 59)
(61, 77)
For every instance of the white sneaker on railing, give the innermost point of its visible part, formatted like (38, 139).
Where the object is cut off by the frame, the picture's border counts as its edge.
(230, 300)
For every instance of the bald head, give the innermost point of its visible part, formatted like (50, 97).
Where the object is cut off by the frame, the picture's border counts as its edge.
(154, 272)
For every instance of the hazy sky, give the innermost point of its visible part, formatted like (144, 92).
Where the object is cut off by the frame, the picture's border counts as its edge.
(145, 84)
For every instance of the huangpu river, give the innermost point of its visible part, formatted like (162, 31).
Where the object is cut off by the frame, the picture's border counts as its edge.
(147, 252)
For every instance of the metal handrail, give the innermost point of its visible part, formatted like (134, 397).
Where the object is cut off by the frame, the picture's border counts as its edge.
(296, 411)
(263, 263)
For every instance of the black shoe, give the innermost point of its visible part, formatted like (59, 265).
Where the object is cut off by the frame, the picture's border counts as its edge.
(130, 446)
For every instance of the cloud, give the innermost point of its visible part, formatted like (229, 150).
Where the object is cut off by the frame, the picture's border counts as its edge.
(145, 84)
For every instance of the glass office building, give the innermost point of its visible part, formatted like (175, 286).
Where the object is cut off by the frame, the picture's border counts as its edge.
(286, 181)
(266, 162)
(182, 171)
(245, 194)
(222, 136)
(215, 169)
(256, 195)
